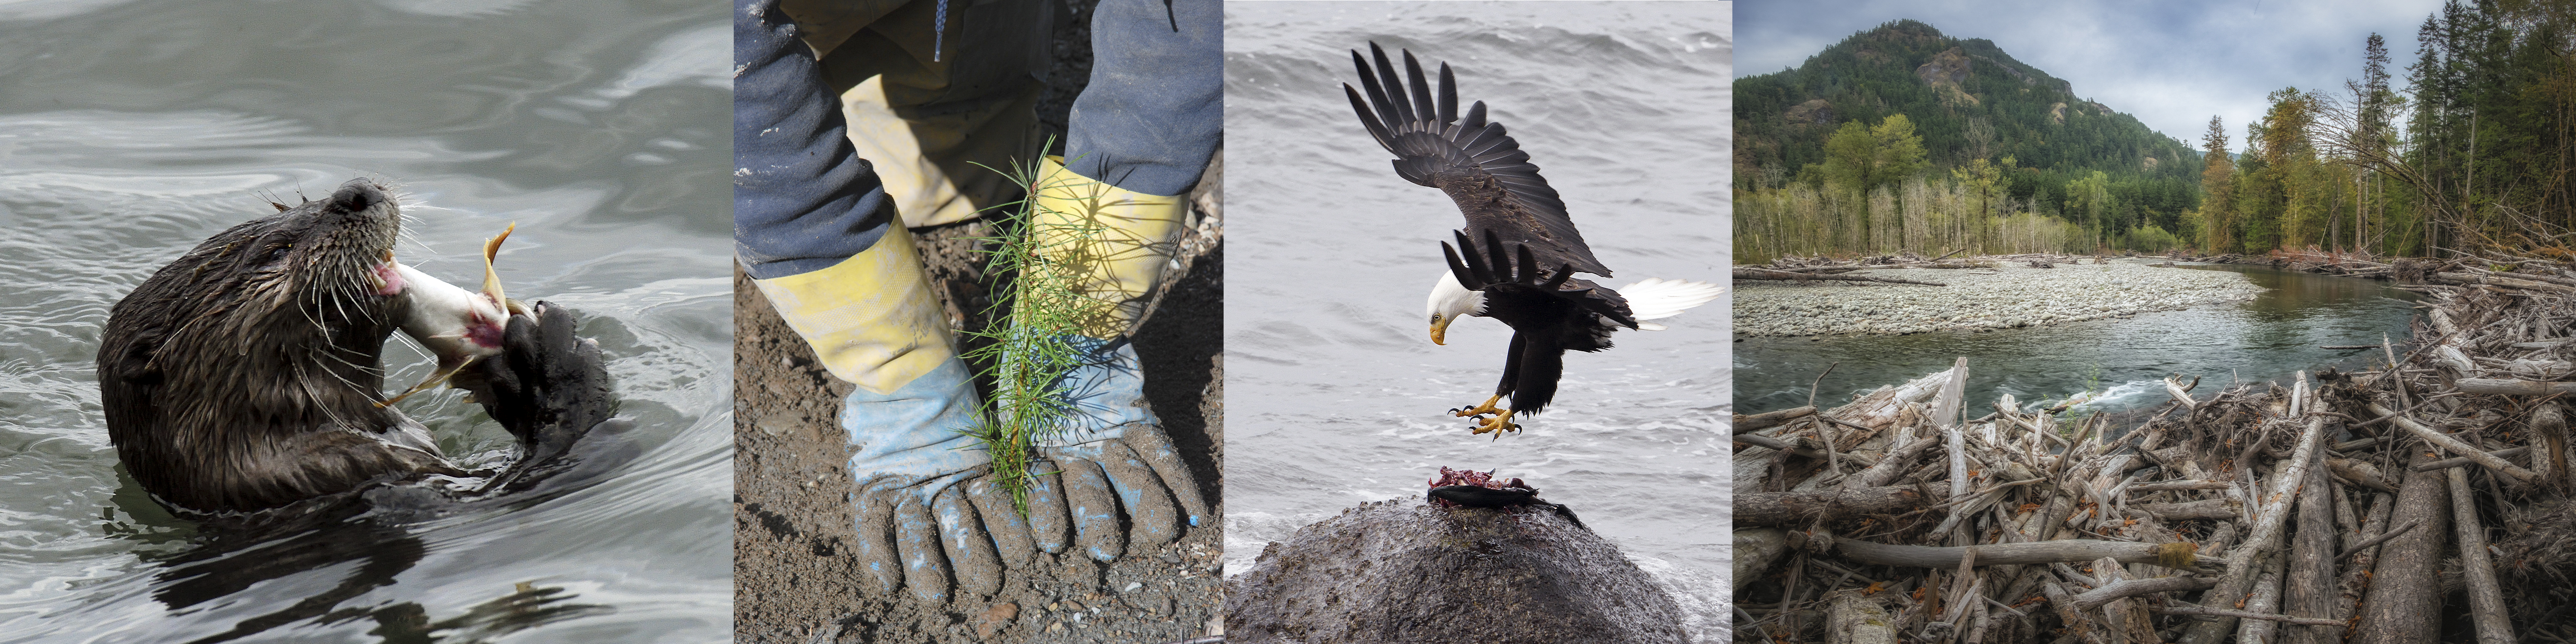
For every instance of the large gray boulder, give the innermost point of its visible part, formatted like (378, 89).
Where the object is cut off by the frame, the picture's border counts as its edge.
(1407, 572)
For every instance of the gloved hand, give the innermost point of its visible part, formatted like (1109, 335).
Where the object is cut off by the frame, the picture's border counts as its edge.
(928, 510)
(1117, 450)
(928, 517)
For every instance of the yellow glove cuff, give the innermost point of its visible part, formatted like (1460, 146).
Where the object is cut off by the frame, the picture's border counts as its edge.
(871, 318)
(1116, 241)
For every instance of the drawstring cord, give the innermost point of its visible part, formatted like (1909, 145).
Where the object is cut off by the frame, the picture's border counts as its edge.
(939, 34)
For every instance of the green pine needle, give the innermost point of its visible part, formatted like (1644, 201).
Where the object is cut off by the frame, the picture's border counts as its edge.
(1031, 333)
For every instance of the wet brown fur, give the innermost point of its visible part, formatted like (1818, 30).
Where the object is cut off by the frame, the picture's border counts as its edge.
(244, 375)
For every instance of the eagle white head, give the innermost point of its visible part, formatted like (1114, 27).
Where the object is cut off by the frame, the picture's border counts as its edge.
(1449, 301)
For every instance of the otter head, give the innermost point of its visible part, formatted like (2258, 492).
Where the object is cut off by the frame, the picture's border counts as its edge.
(218, 370)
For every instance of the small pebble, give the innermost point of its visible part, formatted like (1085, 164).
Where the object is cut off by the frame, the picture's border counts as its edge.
(995, 618)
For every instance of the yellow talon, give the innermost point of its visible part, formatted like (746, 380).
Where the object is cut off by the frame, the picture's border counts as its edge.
(1479, 410)
(1501, 422)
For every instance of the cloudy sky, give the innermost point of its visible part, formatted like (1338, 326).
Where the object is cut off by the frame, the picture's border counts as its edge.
(2173, 64)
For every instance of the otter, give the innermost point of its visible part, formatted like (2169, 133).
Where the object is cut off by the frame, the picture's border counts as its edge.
(244, 376)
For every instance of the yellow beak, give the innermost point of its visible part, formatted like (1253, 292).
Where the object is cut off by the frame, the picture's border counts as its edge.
(1440, 330)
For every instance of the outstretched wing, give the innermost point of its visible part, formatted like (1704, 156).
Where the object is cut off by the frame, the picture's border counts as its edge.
(1510, 277)
(1474, 161)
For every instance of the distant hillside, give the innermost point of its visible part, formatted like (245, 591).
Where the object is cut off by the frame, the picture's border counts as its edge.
(1968, 100)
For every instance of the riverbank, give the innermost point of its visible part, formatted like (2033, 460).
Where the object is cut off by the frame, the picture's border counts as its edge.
(1994, 293)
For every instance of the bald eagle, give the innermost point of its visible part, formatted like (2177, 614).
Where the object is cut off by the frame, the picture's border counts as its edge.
(1516, 259)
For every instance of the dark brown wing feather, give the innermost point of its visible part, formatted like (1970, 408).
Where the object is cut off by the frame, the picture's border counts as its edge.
(1476, 162)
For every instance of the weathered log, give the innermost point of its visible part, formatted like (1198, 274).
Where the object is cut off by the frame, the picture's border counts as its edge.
(2265, 600)
(2143, 488)
(2486, 600)
(2095, 598)
(2471, 278)
(2405, 598)
(2549, 425)
(2356, 576)
(2455, 446)
(1854, 618)
(2460, 461)
(1890, 466)
(2079, 623)
(1744, 273)
(1793, 447)
(1755, 550)
(1798, 509)
(2308, 588)
(2361, 473)
(2218, 509)
(2186, 609)
(2272, 511)
(2514, 387)
(2179, 556)
(1770, 419)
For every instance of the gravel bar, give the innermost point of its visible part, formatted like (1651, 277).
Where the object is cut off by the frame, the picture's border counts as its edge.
(2012, 295)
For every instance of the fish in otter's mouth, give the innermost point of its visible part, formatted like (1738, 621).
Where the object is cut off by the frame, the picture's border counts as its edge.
(245, 375)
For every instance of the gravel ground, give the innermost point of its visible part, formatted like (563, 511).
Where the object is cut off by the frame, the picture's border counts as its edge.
(2011, 296)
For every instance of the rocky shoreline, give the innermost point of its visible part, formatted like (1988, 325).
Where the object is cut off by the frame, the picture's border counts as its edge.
(2009, 295)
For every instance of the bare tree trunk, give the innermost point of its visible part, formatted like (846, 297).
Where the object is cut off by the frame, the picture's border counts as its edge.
(2309, 590)
(2405, 599)
(2486, 601)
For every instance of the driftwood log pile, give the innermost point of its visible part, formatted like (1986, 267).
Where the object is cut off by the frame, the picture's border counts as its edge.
(2423, 498)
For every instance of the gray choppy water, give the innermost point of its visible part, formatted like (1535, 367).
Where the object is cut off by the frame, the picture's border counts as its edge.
(1338, 395)
(130, 131)
(2124, 359)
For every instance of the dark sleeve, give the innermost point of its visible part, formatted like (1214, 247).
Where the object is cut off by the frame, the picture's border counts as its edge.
(802, 199)
(1155, 109)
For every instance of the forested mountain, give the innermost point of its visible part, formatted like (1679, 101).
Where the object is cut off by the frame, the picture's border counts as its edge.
(1967, 100)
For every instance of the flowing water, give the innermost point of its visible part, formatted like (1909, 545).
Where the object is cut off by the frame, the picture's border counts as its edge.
(1337, 395)
(2121, 360)
(132, 130)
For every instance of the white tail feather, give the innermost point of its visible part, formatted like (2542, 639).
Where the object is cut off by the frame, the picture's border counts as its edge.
(1655, 299)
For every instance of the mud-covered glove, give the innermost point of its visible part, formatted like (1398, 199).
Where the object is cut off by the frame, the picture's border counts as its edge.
(1116, 457)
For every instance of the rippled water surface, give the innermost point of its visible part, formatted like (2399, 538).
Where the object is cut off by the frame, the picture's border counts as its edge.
(2122, 359)
(1336, 395)
(130, 131)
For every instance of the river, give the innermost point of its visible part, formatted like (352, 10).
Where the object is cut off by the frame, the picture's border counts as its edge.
(2121, 360)
(1336, 395)
(132, 130)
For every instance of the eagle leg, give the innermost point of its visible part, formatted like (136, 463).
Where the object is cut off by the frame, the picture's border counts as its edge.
(1501, 422)
(1480, 410)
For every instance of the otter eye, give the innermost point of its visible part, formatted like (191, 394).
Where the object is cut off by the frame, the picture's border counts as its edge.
(279, 253)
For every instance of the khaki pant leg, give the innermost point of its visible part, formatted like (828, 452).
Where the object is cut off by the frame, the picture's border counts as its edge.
(937, 130)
